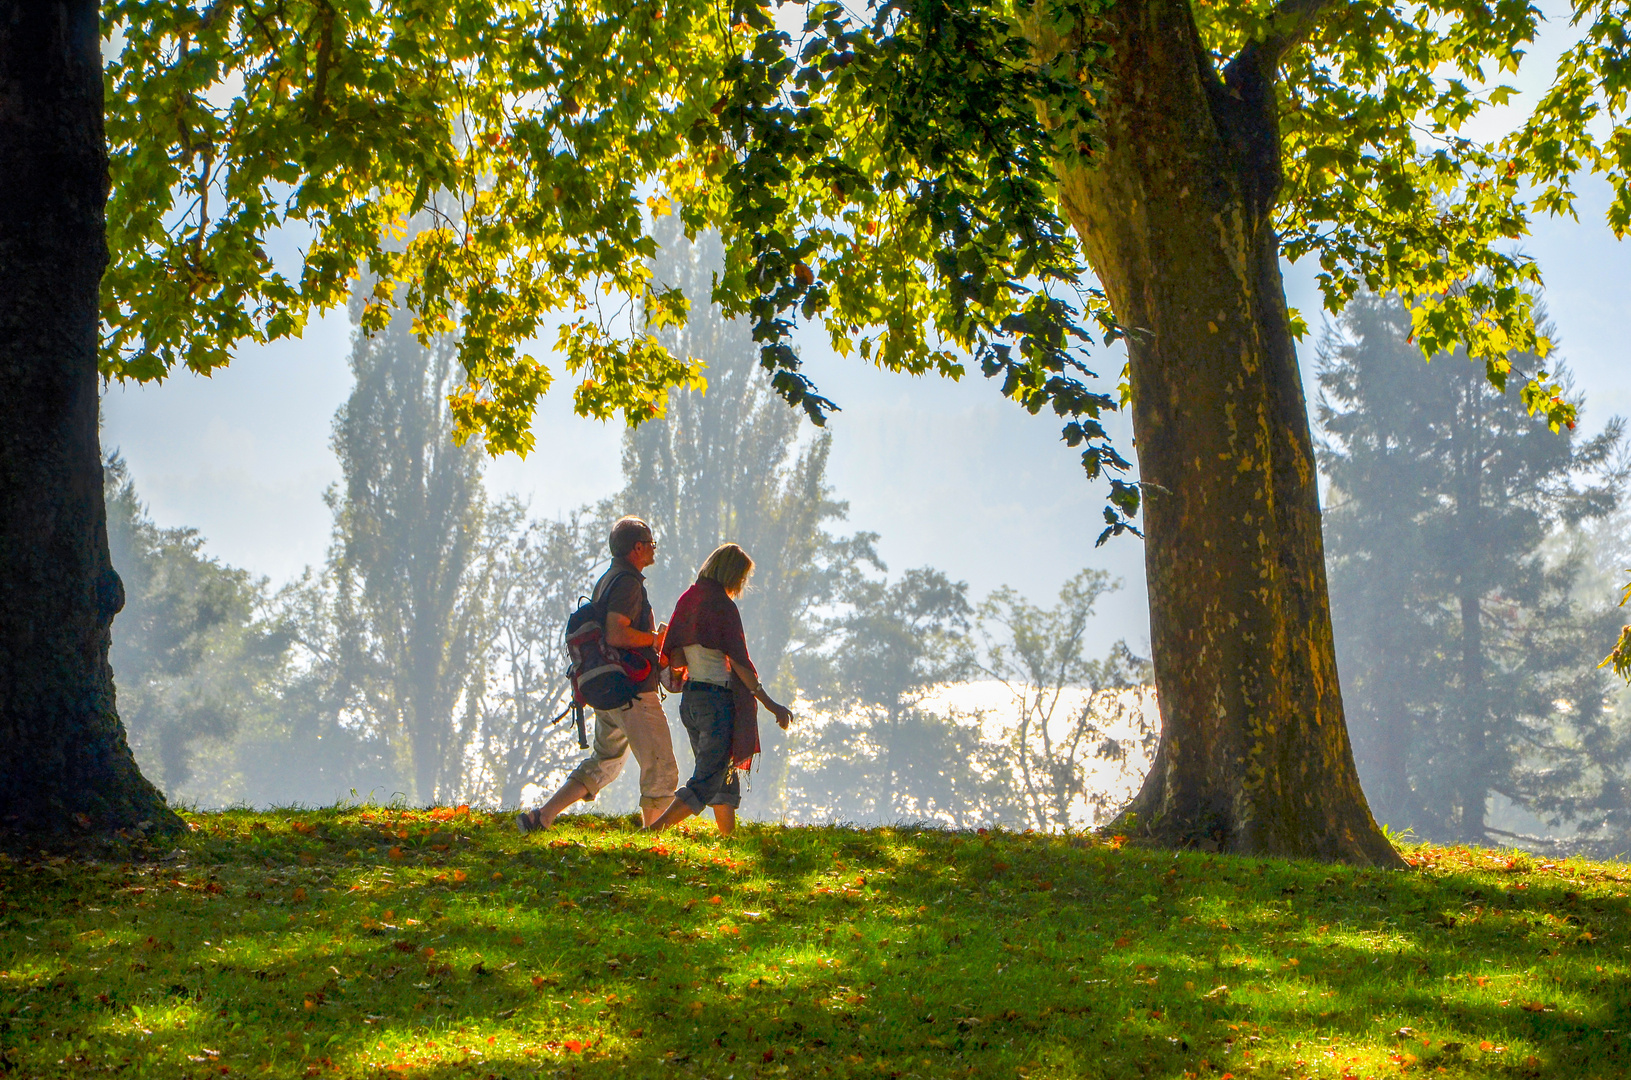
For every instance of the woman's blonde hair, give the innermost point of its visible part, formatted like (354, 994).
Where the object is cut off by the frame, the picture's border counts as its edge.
(730, 566)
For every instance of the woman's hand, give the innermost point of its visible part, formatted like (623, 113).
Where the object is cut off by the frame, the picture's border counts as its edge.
(783, 715)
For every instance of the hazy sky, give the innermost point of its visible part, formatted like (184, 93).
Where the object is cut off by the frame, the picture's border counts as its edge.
(949, 474)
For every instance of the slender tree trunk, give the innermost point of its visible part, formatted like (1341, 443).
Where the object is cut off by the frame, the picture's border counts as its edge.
(888, 807)
(1472, 786)
(1175, 217)
(1472, 793)
(64, 762)
(1393, 737)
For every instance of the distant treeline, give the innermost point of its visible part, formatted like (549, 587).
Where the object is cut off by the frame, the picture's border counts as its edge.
(1470, 550)
(423, 661)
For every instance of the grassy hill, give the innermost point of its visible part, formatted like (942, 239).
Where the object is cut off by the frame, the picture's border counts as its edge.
(388, 942)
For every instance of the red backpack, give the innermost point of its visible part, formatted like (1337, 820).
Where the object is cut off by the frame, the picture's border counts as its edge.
(603, 677)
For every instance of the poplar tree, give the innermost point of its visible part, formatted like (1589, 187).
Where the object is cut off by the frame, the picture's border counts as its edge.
(728, 465)
(410, 561)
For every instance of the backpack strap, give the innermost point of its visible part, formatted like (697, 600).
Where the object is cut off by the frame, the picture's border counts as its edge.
(600, 600)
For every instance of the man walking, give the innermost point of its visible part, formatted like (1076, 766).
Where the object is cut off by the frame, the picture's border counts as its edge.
(639, 727)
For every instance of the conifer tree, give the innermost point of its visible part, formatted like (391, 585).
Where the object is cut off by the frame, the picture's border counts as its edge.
(1467, 660)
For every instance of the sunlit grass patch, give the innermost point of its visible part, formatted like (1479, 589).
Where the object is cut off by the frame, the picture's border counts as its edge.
(383, 942)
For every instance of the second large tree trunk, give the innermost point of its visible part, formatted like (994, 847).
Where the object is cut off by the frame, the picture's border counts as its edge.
(1175, 216)
(64, 763)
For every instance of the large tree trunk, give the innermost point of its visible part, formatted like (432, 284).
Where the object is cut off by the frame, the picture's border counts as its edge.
(1175, 216)
(64, 762)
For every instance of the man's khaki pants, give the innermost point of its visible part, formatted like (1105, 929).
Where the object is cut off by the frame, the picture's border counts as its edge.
(639, 728)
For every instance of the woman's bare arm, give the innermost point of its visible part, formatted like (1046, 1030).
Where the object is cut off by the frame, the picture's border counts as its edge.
(750, 679)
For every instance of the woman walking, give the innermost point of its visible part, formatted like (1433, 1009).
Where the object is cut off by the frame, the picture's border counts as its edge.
(707, 651)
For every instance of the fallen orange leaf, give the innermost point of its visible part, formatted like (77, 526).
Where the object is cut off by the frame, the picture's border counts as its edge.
(395, 854)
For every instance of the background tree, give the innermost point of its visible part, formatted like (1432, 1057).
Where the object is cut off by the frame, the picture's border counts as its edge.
(948, 772)
(1468, 656)
(318, 744)
(1612, 555)
(192, 653)
(728, 465)
(887, 647)
(1037, 655)
(410, 564)
(540, 569)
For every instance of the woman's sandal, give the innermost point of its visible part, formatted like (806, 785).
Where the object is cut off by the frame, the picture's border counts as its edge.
(530, 821)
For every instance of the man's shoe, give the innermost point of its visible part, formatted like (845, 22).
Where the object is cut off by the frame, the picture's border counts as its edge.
(530, 821)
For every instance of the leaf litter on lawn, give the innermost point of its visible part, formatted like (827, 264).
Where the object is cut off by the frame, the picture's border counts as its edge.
(364, 941)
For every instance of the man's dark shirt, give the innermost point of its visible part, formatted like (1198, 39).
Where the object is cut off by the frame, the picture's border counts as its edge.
(628, 597)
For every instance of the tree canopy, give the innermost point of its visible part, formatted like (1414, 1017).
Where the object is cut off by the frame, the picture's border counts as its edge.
(890, 172)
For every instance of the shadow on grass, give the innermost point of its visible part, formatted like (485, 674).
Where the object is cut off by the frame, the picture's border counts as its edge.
(329, 944)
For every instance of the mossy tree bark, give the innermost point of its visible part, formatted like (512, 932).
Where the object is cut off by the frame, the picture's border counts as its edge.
(1176, 219)
(65, 765)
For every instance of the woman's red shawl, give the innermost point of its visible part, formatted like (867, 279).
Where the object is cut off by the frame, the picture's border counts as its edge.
(707, 616)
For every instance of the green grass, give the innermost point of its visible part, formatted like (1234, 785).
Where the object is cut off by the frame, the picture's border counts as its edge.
(372, 942)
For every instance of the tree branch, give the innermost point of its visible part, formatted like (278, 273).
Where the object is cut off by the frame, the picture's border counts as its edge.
(1288, 25)
(1244, 103)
